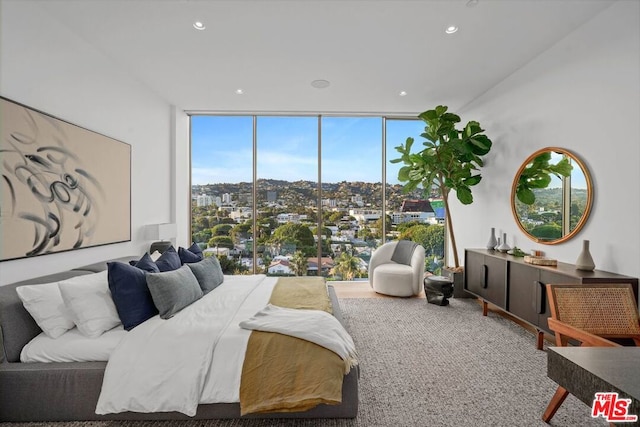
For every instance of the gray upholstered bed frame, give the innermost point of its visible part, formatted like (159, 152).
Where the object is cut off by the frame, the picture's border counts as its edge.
(69, 391)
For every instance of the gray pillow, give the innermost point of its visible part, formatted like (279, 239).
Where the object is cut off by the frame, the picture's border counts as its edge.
(403, 252)
(208, 272)
(173, 290)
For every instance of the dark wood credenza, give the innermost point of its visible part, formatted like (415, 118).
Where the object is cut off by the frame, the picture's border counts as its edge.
(518, 288)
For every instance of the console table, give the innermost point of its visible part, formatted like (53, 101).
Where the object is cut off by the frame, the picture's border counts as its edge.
(518, 288)
(585, 371)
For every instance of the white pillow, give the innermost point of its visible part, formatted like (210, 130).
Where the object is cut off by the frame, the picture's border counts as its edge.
(44, 303)
(89, 301)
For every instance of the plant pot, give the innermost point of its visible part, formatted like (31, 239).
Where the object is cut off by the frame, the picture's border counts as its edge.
(458, 282)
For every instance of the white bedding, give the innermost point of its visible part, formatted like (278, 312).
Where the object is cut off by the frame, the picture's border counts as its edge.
(72, 346)
(199, 351)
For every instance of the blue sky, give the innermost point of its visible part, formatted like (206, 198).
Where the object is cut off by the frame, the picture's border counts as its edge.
(288, 150)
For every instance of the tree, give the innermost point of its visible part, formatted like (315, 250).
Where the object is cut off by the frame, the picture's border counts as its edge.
(346, 266)
(434, 240)
(230, 265)
(241, 231)
(335, 217)
(221, 230)
(550, 231)
(325, 231)
(202, 236)
(378, 225)
(416, 233)
(365, 234)
(221, 241)
(201, 223)
(449, 161)
(431, 237)
(266, 260)
(299, 264)
(295, 234)
(406, 225)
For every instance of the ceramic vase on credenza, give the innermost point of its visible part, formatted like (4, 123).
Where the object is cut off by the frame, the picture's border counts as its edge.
(503, 246)
(585, 261)
(493, 243)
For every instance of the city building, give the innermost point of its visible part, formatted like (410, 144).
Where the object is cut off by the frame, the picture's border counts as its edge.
(364, 216)
(204, 200)
(414, 210)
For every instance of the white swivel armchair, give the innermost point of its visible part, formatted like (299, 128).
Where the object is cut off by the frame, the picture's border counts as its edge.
(393, 278)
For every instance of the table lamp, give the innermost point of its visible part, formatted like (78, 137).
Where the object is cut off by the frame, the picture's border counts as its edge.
(162, 234)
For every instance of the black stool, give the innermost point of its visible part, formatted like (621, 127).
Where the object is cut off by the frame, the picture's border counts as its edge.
(438, 289)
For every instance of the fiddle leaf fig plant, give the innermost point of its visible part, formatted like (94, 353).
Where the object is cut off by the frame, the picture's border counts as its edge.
(449, 160)
(537, 174)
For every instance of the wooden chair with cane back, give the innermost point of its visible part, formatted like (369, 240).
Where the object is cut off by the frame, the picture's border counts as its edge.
(593, 315)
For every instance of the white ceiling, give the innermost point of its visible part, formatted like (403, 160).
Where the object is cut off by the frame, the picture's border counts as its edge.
(369, 50)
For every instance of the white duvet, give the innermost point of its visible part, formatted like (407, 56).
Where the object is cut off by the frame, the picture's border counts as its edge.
(199, 352)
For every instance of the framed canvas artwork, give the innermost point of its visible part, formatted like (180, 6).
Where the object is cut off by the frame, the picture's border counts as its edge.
(63, 187)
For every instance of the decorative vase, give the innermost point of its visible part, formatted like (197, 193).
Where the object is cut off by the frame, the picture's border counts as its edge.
(492, 240)
(585, 261)
(497, 244)
(504, 247)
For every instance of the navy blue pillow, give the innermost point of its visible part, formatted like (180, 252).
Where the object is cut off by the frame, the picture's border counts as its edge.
(186, 256)
(130, 294)
(195, 248)
(145, 263)
(169, 260)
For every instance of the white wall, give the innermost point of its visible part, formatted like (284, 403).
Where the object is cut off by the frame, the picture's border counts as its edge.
(45, 66)
(583, 94)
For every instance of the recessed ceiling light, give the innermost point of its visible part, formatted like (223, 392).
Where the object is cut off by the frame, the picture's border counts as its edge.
(451, 29)
(199, 25)
(239, 91)
(320, 84)
(403, 93)
(472, 3)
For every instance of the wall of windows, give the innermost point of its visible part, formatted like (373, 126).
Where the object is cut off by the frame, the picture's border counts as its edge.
(305, 195)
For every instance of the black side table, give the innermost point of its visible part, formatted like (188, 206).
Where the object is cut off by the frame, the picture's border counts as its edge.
(438, 289)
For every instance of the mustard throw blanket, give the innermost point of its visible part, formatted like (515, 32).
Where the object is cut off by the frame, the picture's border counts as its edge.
(287, 374)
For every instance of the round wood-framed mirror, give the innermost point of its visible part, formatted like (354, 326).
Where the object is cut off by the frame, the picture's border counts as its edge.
(551, 195)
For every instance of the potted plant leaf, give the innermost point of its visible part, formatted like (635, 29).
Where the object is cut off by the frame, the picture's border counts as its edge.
(537, 175)
(449, 160)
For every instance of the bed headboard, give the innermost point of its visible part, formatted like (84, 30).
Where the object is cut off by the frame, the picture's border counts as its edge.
(17, 327)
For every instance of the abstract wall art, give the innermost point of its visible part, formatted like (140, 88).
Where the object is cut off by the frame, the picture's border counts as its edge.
(63, 187)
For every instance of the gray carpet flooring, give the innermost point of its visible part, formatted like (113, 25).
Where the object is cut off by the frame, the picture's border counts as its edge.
(425, 365)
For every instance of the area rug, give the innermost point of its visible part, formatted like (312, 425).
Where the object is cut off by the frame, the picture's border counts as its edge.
(426, 365)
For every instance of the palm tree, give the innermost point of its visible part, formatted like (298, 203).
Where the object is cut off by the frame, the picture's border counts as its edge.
(346, 266)
(299, 264)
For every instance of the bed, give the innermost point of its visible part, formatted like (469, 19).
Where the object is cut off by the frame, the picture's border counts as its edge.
(71, 390)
